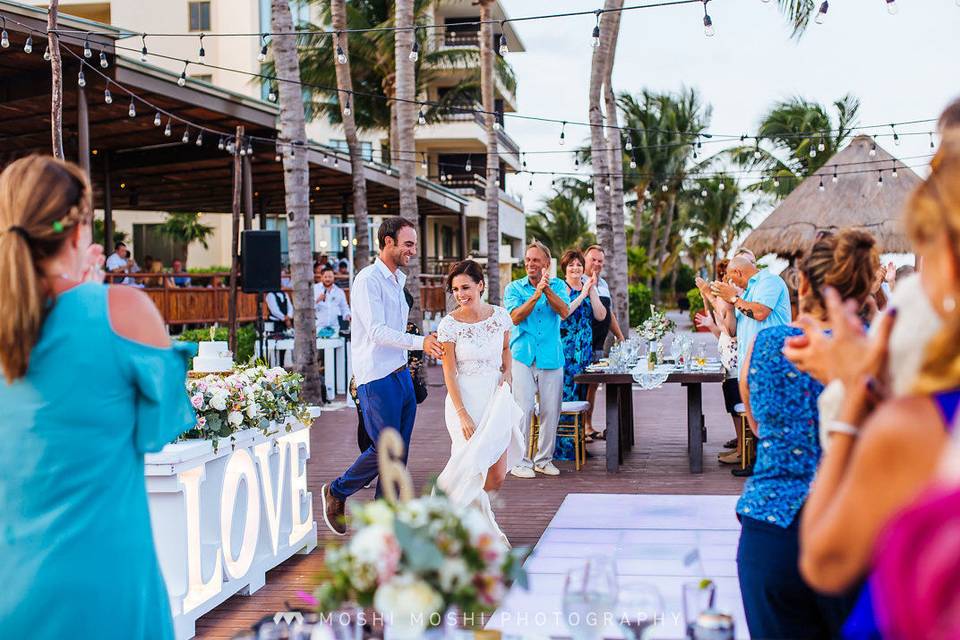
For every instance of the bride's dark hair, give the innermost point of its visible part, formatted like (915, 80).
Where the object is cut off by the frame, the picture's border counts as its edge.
(468, 268)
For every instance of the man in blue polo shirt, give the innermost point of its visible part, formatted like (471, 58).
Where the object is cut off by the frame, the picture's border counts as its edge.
(537, 304)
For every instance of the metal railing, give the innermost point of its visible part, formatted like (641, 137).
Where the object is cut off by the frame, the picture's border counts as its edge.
(461, 39)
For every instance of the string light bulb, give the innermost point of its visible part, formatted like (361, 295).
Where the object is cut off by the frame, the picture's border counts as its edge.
(103, 60)
(221, 145)
(87, 53)
(822, 13)
(708, 29)
(271, 96)
(821, 187)
(421, 119)
(896, 136)
(143, 47)
(756, 150)
(628, 144)
(28, 45)
(703, 193)
(892, 7)
(880, 177)
(46, 54)
(4, 36)
(81, 80)
(168, 130)
(504, 49)
(835, 178)
(596, 30)
(156, 119)
(132, 111)
(563, 133)
(202, 54)
(873, 149)
(415, 49)
(263, 48)
(633, 161)
(423, 161)
(893, 174)
(469, 166)
(346, 107)
(249, 148)
(722, 186)
(199, 141)
(821, 146)
(341, 56)
(931, 133)
(186, 136)
(813, 149)
(664, 188)
(776, 182)
(107, 96)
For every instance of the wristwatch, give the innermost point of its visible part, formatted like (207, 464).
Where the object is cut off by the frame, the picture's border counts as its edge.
(735, 300)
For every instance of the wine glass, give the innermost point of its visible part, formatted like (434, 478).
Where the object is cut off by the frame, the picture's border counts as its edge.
(639, 607)
(589, 592)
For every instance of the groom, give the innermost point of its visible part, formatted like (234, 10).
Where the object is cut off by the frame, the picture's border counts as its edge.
(378, 349)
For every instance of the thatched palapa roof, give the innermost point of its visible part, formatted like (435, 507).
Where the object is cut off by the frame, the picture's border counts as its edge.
(855, 200)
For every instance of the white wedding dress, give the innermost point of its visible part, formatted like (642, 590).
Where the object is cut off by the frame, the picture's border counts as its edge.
(497, 416)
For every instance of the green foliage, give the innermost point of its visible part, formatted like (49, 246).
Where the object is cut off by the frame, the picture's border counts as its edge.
(561, 222)
(518, 272)
(696, 302)
(214, 269)
(118, 236)
(640, 298)
(638, 265)
(186, 228)
(246, 338)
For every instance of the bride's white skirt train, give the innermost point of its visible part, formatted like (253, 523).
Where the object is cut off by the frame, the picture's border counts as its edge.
(497, 417)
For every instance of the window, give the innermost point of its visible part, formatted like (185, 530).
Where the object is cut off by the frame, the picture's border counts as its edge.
(199, 16)
(366, 148)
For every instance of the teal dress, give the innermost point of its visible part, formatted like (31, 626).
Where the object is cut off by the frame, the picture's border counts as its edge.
(77, 558)
(576, 334)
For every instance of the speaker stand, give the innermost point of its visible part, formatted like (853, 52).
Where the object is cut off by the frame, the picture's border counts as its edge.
(260, 330)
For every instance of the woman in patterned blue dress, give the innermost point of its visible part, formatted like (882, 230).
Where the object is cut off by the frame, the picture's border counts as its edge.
(782, 409)
(576, 334)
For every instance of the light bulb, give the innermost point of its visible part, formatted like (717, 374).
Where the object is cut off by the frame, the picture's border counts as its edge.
(221, 144)
(776, 182)
(896, 138)
(468, 167)
(756, 154)
(249, 148)
(835, 178)
(708, 29)
(341, 56)
(156, 119)
(132, 111)
(821, 187)
(87, 53)
(892, 7)
(646, 193)
(873, 149)
(143, 47)
(721, 186)
(346, 108)
(596, 37)
(821, 146)
(168, 130)
(703, 193)
(664, 188)
(894, 173)
(28, 45)
(271, 96)
(880, 179)
(504, 49)
(199, 141)
(107, 97)
(81, 80)
(103, 60)
(421, 119)
(633, 164)
(202, 54)
(4, 39)
(415, 52)
(182, 80)
(263, 54)
(231, 147)
(563, 134)
(628, 146)
(46, 54)
(813, 152)
(277, 157)
(931, 133)
(822, 13)
(497, 126)
(606, 187)
(530, 186)
(186, 136)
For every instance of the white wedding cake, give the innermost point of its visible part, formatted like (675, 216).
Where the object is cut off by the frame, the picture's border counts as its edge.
(213, 357)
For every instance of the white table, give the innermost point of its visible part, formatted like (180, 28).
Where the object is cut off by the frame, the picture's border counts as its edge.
(652, 538)
(337, 368)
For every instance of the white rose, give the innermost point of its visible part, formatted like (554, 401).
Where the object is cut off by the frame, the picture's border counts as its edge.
(235, 418)
(368, 543)
(219, 400)
(453, 574)
(253, 410)
(414, 513)
(407, 603)
(379, 513)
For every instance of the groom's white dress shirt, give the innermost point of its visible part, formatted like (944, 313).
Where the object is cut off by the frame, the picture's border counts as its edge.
(379, 341)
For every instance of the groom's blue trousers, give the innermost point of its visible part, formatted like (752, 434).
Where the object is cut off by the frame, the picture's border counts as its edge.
(385, 403)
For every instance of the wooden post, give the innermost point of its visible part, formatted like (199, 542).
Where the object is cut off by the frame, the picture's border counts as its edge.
(56, 82)
(83, 132)
(247, 193)
(234, 239)
(107, 206)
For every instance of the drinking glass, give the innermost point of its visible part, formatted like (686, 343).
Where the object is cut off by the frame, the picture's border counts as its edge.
(589, 592)
(701, 356)
(639, 607)
(697, 597)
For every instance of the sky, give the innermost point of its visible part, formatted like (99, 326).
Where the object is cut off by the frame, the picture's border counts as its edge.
(902, 67)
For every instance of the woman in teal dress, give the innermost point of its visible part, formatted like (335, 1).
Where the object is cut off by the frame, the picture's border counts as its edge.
(576, 335)
(91, 384)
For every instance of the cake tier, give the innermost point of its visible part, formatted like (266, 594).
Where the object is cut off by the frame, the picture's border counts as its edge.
(212, 365)
(212, 349)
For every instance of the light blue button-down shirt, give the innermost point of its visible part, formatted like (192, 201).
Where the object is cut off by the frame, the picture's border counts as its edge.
(770, 291)
(536, 341)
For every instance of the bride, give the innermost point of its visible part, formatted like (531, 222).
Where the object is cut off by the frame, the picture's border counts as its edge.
(481, 415)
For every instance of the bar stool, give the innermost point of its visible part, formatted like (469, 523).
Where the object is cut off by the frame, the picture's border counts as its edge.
(748, 443)
(577, 430)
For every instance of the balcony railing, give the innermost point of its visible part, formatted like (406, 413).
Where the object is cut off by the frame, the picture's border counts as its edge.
(472, 113)
(461, 39)
(468, 185)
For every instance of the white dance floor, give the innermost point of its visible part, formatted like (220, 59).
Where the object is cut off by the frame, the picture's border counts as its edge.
(665, 540)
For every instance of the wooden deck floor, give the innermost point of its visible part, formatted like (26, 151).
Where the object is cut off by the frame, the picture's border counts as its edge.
(658, 464)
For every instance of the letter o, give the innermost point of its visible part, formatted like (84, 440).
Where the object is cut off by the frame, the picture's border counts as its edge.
(240, 466)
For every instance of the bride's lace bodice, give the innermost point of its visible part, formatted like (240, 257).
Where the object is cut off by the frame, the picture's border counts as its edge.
(479, 345)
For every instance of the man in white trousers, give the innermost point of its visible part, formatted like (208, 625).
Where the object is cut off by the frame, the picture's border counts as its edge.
(537, 304)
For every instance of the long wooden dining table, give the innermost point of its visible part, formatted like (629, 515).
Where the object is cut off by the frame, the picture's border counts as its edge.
(619, 411)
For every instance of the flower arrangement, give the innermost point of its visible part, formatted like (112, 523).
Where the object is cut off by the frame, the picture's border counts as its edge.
(414, 561)
(656, 326)
(250, 397)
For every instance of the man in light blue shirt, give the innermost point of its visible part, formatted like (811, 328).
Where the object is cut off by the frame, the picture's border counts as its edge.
(765, 301)
(537, 304)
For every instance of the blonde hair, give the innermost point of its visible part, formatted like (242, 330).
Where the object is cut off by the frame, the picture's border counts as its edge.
(42, 200)
(934, 210)
(536, 244)
(847, 261)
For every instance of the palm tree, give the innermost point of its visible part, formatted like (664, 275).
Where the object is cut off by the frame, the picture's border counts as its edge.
(296, 183)
(561, 223)
(406, 112)
(492, 189)
(790, 147)
(798, 12)
(186, 227)
(361, 256)
(718, 217)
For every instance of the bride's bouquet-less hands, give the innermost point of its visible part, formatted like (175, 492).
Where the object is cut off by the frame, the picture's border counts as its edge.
(656, 326)
(416, 561)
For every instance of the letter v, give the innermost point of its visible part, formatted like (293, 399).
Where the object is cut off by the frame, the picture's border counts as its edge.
(272, 499)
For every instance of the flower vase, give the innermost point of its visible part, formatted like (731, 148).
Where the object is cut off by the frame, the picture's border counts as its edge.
(655, 352)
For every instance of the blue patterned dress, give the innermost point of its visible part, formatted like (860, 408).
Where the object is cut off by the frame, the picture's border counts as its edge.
(784, 404)
(576, 335)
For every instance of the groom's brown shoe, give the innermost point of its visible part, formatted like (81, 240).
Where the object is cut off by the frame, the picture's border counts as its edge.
(333, 511)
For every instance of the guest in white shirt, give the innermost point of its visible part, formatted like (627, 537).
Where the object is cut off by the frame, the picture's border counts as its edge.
(120, 261)
(330, 302)
(379, 353)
